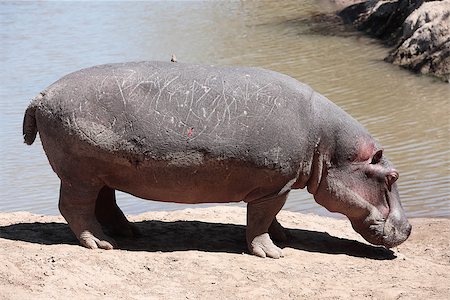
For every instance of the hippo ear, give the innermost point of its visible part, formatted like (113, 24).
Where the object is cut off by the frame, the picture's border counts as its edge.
(391, 177)
(377, 157)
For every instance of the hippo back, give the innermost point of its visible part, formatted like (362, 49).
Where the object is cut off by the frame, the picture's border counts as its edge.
(157, 110)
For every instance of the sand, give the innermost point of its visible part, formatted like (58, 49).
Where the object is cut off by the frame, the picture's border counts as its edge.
(201, 254)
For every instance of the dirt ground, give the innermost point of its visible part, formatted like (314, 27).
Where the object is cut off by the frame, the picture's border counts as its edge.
(201, 254)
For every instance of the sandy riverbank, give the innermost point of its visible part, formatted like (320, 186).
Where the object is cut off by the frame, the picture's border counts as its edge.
(201, 254)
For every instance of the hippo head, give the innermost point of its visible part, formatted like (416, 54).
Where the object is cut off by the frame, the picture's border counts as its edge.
(359, 182)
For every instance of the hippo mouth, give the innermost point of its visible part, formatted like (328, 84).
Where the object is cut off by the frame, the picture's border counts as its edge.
(383, 233)
(372, 231)
(388, 232)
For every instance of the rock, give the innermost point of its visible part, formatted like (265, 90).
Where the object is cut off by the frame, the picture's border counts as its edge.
(419, 31)
(425, 43)
(381, 19)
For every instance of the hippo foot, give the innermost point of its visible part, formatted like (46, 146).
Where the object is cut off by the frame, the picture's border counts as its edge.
(77, 205)
(263, 246)
(102, 241)
(279, 233)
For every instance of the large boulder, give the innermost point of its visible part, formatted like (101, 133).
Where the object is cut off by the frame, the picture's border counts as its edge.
(425, 43)
(419, 30)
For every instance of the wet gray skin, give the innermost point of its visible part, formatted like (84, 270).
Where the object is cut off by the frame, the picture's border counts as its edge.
(201, 134)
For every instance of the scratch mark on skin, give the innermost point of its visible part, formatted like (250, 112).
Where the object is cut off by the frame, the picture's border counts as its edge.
(195, 115)
(177, 90)
(206, 89)
(103, 81)
(121, 92)
(214, 129)
(278, 154)
(166, 84)
(227, 107)
(273, 106)
(263, 87)
(146, 96)
(173, 92)
(113, 123)
(146, 80)
(246, 96)
(125, 80)
(170, 81)
(174, 132)
(81, 130)
(99, 88)
(156, 97)
(191, 102)
(215, 107)
(215, 100)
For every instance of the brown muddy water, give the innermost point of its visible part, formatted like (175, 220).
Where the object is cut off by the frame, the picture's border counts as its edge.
(42, 41)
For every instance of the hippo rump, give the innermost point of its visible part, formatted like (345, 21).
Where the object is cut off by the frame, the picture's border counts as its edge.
(208, 134)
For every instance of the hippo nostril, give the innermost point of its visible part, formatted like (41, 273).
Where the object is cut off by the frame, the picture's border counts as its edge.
(391, 178)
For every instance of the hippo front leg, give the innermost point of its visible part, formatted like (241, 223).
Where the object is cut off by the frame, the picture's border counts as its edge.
(260, 216)
(77, 205)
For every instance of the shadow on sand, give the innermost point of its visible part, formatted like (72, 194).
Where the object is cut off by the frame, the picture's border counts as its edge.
(195, 235)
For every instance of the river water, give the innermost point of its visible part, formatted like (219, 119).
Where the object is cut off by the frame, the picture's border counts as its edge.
(42, 41)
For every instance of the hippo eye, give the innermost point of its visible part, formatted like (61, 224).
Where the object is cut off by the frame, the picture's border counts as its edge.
(377, 157)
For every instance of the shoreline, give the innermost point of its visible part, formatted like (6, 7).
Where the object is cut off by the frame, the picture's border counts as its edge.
(201, 253)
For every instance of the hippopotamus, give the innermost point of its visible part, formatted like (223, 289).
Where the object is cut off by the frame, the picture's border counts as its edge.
(187, 133)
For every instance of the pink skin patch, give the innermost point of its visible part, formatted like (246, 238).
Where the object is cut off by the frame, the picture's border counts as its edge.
(190, 131)
(365, 150)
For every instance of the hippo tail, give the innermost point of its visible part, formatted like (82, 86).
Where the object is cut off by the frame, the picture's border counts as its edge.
(29, 125)
(29, 121)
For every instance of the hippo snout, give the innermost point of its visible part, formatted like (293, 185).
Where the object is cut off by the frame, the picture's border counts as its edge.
(396, 228)
(396, 231)
(389, 232)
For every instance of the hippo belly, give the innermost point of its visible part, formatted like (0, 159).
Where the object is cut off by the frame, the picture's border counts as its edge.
(206, 183)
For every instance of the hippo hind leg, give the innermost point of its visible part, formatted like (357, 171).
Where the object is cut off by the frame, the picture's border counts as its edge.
(111, 216)
(278, 233)
(77, 205)
(260, 222)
